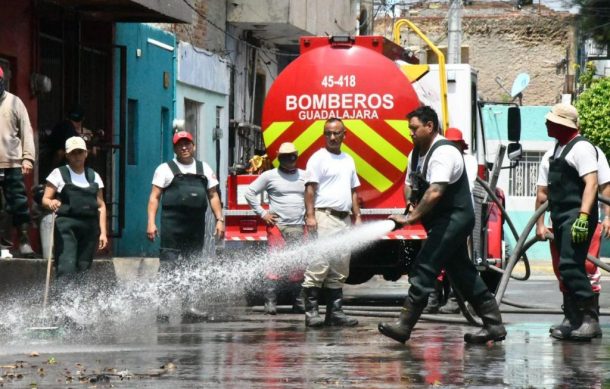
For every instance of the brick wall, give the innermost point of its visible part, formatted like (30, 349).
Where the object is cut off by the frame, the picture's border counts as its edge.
(504, 42)
(200, 33)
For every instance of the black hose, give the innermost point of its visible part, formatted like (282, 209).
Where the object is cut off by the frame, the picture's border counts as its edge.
(527, 245)
(454, 319)
(514, 257)
(496, 200)
(596, 261)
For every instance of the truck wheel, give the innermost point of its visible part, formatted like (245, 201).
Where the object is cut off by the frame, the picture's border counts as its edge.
(359, 276)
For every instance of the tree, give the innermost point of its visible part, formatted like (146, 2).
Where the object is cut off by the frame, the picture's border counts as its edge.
(594, 109)
(594, 18)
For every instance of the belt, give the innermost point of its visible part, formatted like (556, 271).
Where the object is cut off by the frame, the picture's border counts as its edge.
(335, 213)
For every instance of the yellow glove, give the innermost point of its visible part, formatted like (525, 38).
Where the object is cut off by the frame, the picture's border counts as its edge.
(580, 228)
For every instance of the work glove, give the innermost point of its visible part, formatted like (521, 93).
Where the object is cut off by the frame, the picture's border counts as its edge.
(580, 228)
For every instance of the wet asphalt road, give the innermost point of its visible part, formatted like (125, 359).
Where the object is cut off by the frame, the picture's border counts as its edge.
(241, 348)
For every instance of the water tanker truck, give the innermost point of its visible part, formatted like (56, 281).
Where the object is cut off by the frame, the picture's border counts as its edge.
(368, 82)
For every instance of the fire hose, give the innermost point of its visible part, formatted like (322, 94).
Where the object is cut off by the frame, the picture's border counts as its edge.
(522, 245)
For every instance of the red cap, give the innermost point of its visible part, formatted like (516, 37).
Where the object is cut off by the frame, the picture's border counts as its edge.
(455, 135)
(182, 135)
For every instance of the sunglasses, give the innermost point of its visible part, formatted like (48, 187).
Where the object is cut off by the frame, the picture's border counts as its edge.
(337, 134)
(287, 157)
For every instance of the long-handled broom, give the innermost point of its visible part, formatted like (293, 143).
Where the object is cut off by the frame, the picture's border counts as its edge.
(48, 329)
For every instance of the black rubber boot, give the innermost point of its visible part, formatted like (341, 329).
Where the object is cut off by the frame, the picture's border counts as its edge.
(400, 331)
(334, 310)
(451, 307)
(570, 312)
(298, 306)
(25, 248)
(312, 316)
(434, 300)
(193, 315)
(492, 330)
(589, 327)
(271, 298)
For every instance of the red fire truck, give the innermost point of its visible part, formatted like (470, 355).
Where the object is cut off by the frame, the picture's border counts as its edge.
(371, 83)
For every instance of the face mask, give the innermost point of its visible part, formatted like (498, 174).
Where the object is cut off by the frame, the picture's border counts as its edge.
(561, 133)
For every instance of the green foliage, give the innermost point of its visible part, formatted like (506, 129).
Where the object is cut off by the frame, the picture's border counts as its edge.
(594, 113)
(587, 75)
(594, 19)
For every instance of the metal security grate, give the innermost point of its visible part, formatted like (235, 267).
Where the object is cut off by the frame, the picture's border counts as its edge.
(523, 177)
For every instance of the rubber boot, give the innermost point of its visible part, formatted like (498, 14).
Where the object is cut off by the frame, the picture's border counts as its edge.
(570, 312)
(589, 327)
(451, 307)
(271, 298)
(400, 331)
(334, 310)
(434, 300)
(25, 248)
(492, 330)
(193, 315)
(312, 316)
(299, 301)
(190, 313)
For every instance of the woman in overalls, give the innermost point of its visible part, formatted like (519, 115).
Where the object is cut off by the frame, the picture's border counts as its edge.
(74, 193)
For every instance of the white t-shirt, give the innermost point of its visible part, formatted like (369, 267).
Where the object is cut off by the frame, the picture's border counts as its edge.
(603, 169)
(79, 180)
(445, 164)
(472, 167)
(336, 176)
(163, 174)
(581, 158)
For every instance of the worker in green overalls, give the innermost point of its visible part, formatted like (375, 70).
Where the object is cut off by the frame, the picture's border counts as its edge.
(184, 186)
(74, 193)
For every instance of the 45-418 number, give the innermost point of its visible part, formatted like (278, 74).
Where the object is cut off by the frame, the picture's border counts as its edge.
(347, 80)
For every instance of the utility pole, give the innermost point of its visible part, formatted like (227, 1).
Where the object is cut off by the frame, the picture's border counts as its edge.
(454, 38)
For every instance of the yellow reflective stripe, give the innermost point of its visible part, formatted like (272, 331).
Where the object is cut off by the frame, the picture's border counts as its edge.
(368, 172)
(401, 127)
(414, 72)
(274, 131)
(306, 139)
(378, 143)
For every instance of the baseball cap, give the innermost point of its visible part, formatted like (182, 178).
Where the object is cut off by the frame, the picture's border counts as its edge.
(76, 113)
(563, 114)
(455, 135)
(75, 143)
(182, 135)
(287, 148)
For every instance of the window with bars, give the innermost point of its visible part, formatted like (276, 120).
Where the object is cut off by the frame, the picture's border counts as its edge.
(523, 177)
(192, 113)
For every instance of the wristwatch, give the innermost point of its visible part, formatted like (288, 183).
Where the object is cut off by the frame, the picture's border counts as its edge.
(220, 220)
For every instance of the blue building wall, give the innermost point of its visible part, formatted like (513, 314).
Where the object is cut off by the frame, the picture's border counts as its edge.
(532, 123)
(150, 111)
